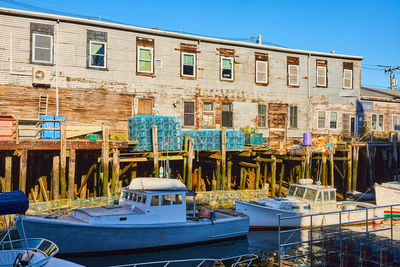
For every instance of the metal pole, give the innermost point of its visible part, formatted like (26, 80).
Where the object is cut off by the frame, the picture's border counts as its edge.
(366, 221)
(8, 231)
(341, 239)
(311, 241)
(26, 242)
(391, 223)
(279, 240)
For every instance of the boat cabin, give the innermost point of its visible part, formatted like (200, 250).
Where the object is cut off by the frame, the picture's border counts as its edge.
(313, 193)
(162, 200)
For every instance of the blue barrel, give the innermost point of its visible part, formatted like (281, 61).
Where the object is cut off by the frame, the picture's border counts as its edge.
(307, 137)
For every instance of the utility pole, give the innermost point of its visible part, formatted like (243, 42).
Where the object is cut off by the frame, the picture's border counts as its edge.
(390, 69)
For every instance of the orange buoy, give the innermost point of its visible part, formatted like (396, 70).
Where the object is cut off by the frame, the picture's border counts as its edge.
(205, 213)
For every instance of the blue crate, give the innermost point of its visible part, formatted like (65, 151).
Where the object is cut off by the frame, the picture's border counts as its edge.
(50, 134)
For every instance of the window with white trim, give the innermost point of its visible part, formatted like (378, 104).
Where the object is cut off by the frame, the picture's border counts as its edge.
(333, 120)
(261, 68)
(322, 71)
(293, 71)
(98, 54)
(188, 64)
(321, 119)
(381, 122)
(374, 122)
(396, 122)
(347, 75)
(227, 68)
(262, 116)
(208, 114)
(145, 59)
(293, 117)
(188, 113)
(42, 48)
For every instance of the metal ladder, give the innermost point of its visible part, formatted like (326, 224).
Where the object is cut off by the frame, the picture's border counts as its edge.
(43, 104)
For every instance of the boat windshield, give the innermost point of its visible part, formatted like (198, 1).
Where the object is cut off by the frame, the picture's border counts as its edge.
(291, 191)
(311, 194)
(333, 195)
(300, 192)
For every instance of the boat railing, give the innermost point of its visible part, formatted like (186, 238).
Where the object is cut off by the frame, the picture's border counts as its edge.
(330, 229)
(235, 261)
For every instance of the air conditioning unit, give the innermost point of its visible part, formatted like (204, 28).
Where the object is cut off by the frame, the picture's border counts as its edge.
(41, 76)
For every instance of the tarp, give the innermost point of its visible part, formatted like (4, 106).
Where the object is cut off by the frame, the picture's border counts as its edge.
(13, 203)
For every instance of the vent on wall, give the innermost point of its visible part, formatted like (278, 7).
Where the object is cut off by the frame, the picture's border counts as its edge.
(41, 76)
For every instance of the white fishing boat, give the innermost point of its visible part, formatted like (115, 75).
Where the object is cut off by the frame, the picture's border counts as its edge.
(151, 214)
(387, 193)
(305, 198)
(24, 251)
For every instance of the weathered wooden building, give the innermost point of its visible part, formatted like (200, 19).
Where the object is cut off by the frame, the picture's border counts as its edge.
(93, 72)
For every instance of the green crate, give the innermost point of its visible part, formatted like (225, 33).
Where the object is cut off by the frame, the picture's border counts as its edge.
(92, 137)
(254, 139)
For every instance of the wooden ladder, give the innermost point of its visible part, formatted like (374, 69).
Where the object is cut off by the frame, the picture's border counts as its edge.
(43, 104)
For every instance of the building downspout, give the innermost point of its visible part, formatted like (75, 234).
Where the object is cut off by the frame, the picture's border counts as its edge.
(56, 59)
(309, 113)
(11, 60)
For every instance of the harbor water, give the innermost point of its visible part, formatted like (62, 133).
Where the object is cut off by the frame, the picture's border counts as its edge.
(257, 243)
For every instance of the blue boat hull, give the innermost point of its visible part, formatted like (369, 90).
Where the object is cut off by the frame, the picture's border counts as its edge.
(86, 238)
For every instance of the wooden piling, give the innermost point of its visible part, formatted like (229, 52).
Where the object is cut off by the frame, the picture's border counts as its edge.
(56, 178)
(273, 176)
(22, 170)
(308, 162)
(223, 161)
(323, 171)
(71, 173)
(355, 167)
(155, 150)
(106, 159)
(43, 188)
(332, 170)
(8, 174)
(265, 181)
(257, 179)
(185, 159)
(229, 175)
(134, 171)
(63, 160)
(349, 168)
(115, 171)
(190, 163)
(281, 174)
(218, 175)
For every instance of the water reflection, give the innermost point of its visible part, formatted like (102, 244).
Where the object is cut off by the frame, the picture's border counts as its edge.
(257, 242)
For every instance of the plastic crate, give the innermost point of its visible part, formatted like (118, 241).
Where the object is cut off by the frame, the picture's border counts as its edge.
(7, 127)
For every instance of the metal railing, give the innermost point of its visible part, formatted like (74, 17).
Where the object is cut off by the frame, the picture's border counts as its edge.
(234, 261)
(339, 226)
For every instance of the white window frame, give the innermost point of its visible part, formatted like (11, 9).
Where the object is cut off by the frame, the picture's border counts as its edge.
(34, 60)
(90, 54)
(351, 79)
(337, 119)
(194, 64)
(383, 122)
(298, 75)
(318, 111)
(221, 67)
(397, 120)
(265, 115)
(138, 59)
(208, 113)
(376, 124)
(325, 76)
(266, 71)
(297, 117)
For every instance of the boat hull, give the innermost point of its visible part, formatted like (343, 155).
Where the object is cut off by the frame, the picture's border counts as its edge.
(86, 238)
(263, 217)
(387, 195)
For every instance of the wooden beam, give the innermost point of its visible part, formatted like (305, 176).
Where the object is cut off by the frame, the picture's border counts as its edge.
(281, 174)
(257, 179)
(115, 171)
(190, 163)
(22, 170)
(270, 160)
(63, 160)
(323, 171)
(355, 167)
(106, 159)
(249, 165)
(185, 160)
(223, 161)
(56, 178)
(273, 176)
(332, 170)
(8, 174)
(349, 168)
(71, 173)
(229, 175)
(155, 150)
(35, 144)
(43, 188)
(125, 169)
(85, 179)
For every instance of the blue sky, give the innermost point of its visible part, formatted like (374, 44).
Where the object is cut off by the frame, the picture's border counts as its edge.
(364, 28)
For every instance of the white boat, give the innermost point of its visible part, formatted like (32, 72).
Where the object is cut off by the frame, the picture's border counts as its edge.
(305, 198)
(387, 193)
(25, 252)
(151, 214)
